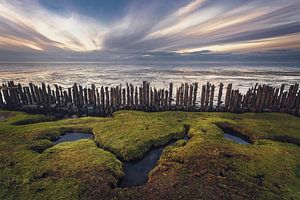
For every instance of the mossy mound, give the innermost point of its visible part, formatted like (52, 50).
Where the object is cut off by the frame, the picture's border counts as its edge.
(205, 167)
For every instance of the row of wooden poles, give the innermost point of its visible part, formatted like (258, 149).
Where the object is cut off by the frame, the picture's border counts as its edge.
(105, 100)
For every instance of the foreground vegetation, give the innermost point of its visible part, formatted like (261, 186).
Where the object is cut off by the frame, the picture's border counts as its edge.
(206, 167)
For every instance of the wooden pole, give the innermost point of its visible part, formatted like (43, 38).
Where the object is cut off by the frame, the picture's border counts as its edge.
(208, 85)
(220, 96)
(107, 97)
(211, 106)
(1, 99)
(190, 97)
(203, 94)
(195, 94)
(170, 93)
(227, 98)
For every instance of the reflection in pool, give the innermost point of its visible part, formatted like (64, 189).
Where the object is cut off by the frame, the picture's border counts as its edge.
(235, 138)
(68, 137)
(136, 172)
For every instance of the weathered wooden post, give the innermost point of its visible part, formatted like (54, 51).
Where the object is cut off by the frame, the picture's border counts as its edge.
(48, 94)
(53, 98)
(112, 99)
(136, 96)
(211, 105)
(140, 96)
(263, 98)
(93, 94)
(65, 97)
(275, 100)
(107, 98)
(30, 98)
(292, 95)
(283, 102)
(166, 103)
(120, 95)
(186, 94)
(75, 94)
(57, 94)
(81, 98)
(177, 97)
(131, 94)
(32, 93)
(128, 94)
(162, 94)
(281, 94)
(44, 94)
(98, 98)
(203, 94)
(195, 94)
(258, 97)
(20, 95)
(26, 96)
(123, 97)
(234, 101)
(85, 96)
(38, 96)
(155, 97)
(1, 99)
(220, 96)
(227, 98)
(144, 93)
(208, 85)
(41, 96)
(190, 98)
(170, 93)
(69, 95)
(297, 104)
(158, 97)
(151, 98)
(6, 97)
(182, 95)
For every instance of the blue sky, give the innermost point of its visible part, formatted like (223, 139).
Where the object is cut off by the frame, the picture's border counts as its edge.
(146, 29)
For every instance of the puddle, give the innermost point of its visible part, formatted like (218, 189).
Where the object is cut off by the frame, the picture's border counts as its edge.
(235, 138)
(136, 172)
(232, 134)
(68, 137)
(5, 115)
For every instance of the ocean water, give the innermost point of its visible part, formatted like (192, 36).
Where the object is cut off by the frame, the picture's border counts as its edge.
(241, 75)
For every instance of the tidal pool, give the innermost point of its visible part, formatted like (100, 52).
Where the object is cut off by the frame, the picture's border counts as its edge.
(68, 137)
(136, 172)
(235, 138)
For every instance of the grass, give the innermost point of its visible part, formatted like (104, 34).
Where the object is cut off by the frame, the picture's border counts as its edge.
(206, 167)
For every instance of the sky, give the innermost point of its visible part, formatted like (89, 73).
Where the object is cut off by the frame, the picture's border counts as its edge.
(149, 29)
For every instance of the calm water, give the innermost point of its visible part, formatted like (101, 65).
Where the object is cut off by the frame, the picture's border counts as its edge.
(136, 172)
(242, 75)
(235, 138)
(68, 137)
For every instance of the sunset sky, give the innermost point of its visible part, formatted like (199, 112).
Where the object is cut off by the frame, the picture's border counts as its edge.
(89, 29)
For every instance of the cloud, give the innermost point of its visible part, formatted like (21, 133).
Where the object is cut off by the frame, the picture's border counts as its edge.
(31, 25)
(152, 26)
(205, 23)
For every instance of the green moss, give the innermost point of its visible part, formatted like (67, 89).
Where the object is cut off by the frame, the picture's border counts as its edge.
(205, 167)
(130, 134)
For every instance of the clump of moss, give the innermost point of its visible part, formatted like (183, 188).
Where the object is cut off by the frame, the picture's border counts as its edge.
(131, 134)
(205, 167)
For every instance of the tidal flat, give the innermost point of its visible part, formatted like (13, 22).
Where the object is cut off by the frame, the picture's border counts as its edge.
(207, 166)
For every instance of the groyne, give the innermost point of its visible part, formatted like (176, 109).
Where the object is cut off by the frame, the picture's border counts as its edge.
(103, 101)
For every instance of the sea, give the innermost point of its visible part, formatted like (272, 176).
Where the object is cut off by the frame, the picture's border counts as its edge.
(159, 74)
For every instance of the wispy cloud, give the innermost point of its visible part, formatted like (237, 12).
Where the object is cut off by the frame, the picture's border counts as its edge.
(155, 26)
(29, 24)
